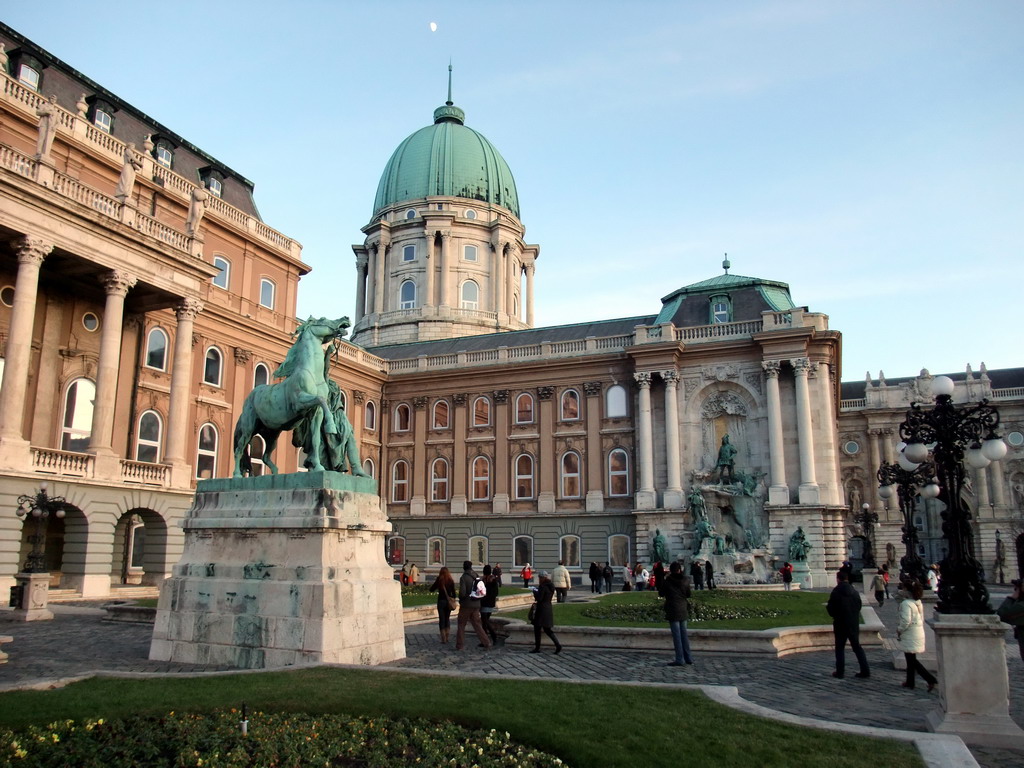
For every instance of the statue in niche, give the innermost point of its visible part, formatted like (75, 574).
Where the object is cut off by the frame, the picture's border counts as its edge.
(126, 183)
(890, 554)
(47, 114)
(798, 545)
(660, 547)
(726, 460)
(855, 498)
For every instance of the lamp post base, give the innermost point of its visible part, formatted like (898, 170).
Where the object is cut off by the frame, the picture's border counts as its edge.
(35, 595)
(973, 681)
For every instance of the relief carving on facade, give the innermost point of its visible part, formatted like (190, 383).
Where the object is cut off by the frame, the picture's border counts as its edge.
(242, 356)
(460, 398)
(690, 386)
(545, 393)
(720, 372)
(592, 388)
(359, 395)
(753, 380)
(419, 403)
(500, 395)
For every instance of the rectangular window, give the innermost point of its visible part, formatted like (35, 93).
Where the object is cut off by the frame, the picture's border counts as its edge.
(28, 77)
(409, 253)
(215, 187)
(103, 121)
(164, 156)
(469, 253)
(267, 293)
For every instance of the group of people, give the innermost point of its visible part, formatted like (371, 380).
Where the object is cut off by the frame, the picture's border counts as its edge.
(600, 577)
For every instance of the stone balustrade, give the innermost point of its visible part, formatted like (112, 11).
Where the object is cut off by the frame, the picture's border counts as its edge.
(13, 160)
(54, 462)
(853, 404)
(145, 473)
(719, 331)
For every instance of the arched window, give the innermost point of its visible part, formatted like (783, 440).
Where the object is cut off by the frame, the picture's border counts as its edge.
(439, 480)
(369, 468)
(571, 475)
(615, 401)
(618, 549)
(213, 366)
(569, 546)
(370, 416)
(618, 473)
(268, 293)
(343, 400)
(524, 408)
(256, 448)
(76, 426)
(156, 349)
(470, 295)
(570, 405)
(440, 420)
(261, 375)
(396, 550)
(400, 481)
(524, 476)
(481, 480)
(435, 550)
(206, 452)
(522, 551)
(147, 439)
(481, 412)
(478, 550)
(403, 417)
(407, 295)
(469, 253)
(223, 278)
(721, 309)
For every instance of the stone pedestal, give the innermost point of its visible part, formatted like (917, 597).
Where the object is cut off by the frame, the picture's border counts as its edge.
(35, 597)
(281, 570)
(802, 574)
(973, 682)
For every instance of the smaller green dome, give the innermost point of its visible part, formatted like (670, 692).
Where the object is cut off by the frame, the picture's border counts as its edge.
(447, 159)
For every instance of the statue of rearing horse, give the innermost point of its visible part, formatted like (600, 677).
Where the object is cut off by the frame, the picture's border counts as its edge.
(271, 409)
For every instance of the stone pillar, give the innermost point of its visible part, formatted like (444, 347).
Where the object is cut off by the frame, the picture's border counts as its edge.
(809, 493)
(419, 470)
(181, 392)
(595, 453)
(501, 466)
(497, 266)
(446, 238)
(829, 450)
(998, 484)
(888, 444)
(646, 497)
(871, 488)
(546, 453)
(672, 498)
(117, 284)
(778, 491)
(530, 268)
(13, 446)
(362, 264)
(380, 257)
(428, 281)
(981, 483)
(459, 466)
(510, 283)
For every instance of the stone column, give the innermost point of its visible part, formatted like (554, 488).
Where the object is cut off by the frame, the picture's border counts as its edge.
(362, 263)
(981, 483)
(546, 452)
(672, 498)
(446, 238)
(998, 484)
(501, 467)
(646, 497)
(829, 449)
(419, 470)
(871, 486)
(181, 392)
(809, 493)
(459, 466)
(510, 284)
(13, 447)
(595, 452)
(378, 278)
(497, 265)
(530, 268)
(117, 284)
(428, 280)
(778, 491)
(888, 444)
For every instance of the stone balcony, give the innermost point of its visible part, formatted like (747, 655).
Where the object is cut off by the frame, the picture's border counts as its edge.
(72, 465)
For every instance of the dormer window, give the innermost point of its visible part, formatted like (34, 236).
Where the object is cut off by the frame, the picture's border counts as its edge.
(213, 180)
(101, 114)
(163, 152)
(27, 70)
(721, 309)
(29, 76)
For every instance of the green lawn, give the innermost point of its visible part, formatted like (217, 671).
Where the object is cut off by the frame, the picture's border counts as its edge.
(586, 725)
(738, 609)
(420, 594)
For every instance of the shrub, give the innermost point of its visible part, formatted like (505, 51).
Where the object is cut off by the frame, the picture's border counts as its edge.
(214, 740)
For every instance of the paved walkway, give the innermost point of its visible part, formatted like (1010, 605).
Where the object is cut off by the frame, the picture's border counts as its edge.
(79, 642)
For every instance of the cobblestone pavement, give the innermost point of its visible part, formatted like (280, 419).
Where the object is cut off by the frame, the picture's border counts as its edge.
(78, 641)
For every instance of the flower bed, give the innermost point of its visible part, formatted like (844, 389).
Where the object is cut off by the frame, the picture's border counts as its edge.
(717, 605)
(214, 740)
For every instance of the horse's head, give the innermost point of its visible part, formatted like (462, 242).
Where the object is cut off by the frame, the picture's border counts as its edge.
(324, 328)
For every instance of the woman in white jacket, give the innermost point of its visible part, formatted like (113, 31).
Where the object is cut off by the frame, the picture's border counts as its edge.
(910, 634)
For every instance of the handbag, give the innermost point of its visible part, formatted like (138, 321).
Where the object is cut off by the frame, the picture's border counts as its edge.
(452, 605)
(532, 615)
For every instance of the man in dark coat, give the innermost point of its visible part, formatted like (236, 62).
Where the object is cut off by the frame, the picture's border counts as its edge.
(596, 577)
(469, 608)
(676, 589)
(709, 574)
(697, 574)
(544, 616)
(844, 608)
(608, 575)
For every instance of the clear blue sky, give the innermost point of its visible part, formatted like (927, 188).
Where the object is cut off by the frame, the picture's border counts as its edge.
(870, 154)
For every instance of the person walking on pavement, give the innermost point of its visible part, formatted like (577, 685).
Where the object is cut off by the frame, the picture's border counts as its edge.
(544, 615)
(640, 577)
(469, 607)
(489, 603)
(878, 585)
(595, 578)
(697, 574)
(709, 574)
(607, 574)
(414, 574)
(444, 585)
(1011, 611)
(676, 589)
(910, 635)
(844, 608)
(562, 582)
(497, 575)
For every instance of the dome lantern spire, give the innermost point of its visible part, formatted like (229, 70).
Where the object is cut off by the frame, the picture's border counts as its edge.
(449, 113)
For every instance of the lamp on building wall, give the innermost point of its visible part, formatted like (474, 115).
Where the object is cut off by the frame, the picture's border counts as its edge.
(908, 486)
(952, 436)
(39, 506)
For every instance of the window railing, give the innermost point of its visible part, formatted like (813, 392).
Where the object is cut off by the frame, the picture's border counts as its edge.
(845, 405)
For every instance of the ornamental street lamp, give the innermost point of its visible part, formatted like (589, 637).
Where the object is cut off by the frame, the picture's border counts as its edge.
(39, 506)
(909, 484)
(953, 435)
(866, 519)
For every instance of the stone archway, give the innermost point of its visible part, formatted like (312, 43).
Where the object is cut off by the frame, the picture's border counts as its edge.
(140, 548)
(53, 549)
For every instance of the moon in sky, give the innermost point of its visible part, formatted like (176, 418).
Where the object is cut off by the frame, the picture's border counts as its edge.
(433, 26)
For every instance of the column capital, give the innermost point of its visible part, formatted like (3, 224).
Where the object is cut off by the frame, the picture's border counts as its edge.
(31, 250)
(802, 365)
(501, 395)
(242, 356)
(460, 398)
(419, 403)
(545, 393)
(670, 377)
(362, 261)
(643, 379)
(188, 308)
(118, 282)
(592, 388)
(874, 432)
(381, 245)
(771, 368)
(446, 234)
(359, 396)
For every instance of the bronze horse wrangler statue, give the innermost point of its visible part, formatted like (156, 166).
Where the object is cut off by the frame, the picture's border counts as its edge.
(301, 399)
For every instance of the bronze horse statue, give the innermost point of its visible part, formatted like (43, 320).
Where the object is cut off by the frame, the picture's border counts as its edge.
(303, 396)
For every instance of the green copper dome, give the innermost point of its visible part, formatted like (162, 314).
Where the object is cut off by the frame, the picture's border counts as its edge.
(447, 159)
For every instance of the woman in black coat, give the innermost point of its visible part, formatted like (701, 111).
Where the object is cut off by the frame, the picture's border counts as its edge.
(677, 613)
(489, 603)
(544, 615)
(595, 577)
